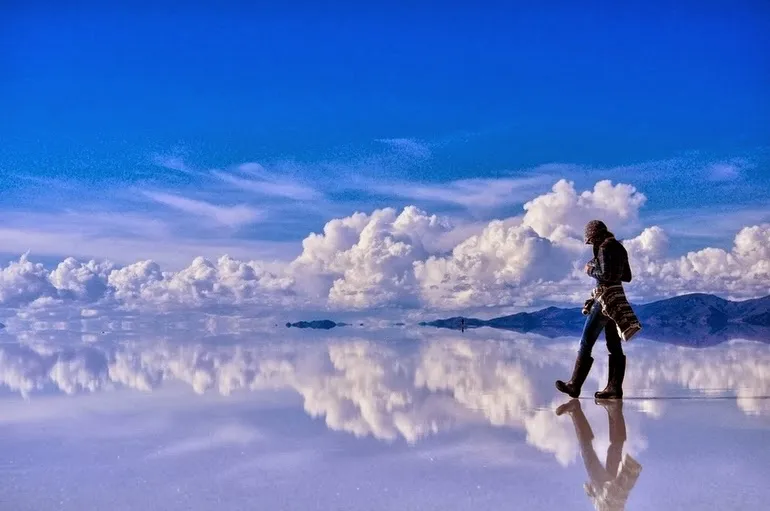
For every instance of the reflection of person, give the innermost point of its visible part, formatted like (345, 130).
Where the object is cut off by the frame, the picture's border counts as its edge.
(607, 310)
(610, 484)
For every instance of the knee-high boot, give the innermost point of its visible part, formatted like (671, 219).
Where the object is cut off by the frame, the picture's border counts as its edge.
(580, 372)
(614, 388)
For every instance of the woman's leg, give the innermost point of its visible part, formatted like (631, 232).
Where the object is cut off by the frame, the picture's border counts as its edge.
(614, 342)
(595, 323)
(593, 327)
(617, 360)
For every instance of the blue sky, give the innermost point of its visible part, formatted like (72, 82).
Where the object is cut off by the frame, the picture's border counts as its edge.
(126, 121)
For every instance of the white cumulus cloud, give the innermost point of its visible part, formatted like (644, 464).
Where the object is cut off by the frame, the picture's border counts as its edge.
(411, 258)
(23, 281)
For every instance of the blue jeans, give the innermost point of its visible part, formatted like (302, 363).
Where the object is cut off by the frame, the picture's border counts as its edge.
(595, 323)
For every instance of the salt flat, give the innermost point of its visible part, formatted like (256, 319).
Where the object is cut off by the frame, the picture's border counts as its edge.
(201, 413)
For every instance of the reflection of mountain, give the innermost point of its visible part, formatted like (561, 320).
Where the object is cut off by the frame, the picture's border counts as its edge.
(695, 319)
(703, 335)
(323, 324)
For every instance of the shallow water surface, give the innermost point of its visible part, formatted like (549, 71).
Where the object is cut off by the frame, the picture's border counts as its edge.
(206, 414)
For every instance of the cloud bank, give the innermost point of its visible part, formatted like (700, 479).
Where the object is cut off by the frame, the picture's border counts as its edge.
(371, 389)
(392, 258)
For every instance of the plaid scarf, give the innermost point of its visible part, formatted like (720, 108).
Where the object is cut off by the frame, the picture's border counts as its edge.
(615, 305)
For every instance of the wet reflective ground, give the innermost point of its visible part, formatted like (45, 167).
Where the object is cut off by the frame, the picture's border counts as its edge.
(224, 413)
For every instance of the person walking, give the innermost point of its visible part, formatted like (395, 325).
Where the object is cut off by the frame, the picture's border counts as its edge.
(607, 310)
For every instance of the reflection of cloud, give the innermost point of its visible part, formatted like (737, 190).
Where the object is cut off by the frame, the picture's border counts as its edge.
(480, 380)
(738, 367)
(359, 392)
(29, 369)
(230, 434)
(652, 407)
(551, 435)
(372, 389)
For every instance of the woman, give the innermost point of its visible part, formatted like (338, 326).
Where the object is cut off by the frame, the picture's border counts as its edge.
(608, 310)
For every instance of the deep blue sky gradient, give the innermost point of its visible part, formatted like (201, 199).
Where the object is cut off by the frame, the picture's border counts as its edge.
(89, 94)
(90, 86)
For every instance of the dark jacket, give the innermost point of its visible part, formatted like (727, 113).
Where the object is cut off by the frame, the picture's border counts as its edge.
(610, 264)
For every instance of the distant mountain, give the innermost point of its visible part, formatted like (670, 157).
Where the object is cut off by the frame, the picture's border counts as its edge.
(762, 319)
(553, 317)
(694, 319)
(324, 324)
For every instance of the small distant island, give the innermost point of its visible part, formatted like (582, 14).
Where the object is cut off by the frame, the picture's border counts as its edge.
(323, 324)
